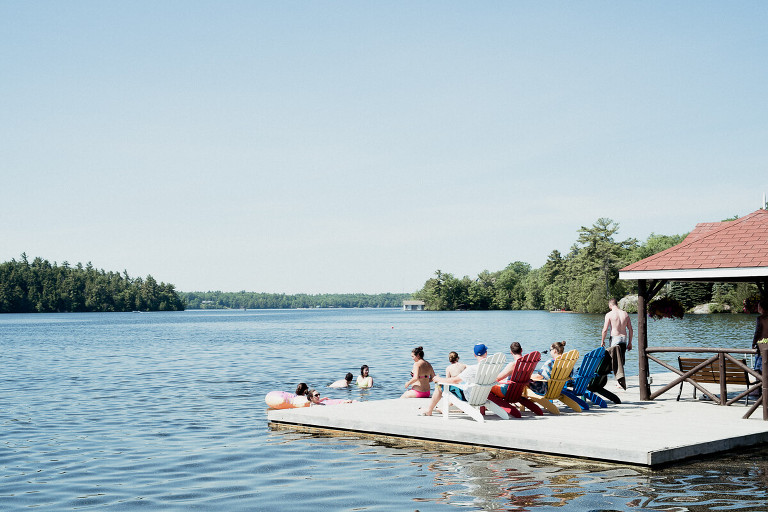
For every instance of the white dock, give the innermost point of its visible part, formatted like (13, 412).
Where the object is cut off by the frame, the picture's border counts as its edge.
(652, 433)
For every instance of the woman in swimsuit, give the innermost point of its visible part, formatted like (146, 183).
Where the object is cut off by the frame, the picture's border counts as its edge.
(456, 367)
(421, 375)
(364, 380)
(540, 378)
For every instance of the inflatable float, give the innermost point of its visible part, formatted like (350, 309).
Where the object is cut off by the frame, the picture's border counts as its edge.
(285, 400)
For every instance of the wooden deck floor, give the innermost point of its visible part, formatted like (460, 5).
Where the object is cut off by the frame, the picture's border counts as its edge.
(640, 433)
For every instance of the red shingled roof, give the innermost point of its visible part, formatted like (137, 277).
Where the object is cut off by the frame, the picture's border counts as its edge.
(715, 245)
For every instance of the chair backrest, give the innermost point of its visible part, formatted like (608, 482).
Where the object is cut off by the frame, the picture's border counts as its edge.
(487, 371)
(561, 373)
(521, 375)
(588, 370)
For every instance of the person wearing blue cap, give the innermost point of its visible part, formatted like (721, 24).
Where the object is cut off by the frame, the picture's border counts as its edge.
(463, 381)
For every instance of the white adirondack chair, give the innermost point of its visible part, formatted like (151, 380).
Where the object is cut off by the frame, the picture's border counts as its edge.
(478, 393)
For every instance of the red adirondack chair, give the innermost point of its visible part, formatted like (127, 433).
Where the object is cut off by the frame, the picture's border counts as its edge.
(517, 385)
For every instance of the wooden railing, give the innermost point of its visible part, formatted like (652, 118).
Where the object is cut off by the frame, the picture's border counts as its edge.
(720, 355)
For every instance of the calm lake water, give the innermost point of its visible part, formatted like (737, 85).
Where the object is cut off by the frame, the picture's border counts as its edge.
(165, 411)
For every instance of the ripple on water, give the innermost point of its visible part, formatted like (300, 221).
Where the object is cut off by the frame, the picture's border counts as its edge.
(166, 412)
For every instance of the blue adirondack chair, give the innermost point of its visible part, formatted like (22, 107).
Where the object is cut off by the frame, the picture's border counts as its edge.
(584, 375)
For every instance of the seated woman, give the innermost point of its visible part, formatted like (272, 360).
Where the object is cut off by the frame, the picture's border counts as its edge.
(342, 383)
(542, 375)
(364, 380)
(455, 367)
(421, 375)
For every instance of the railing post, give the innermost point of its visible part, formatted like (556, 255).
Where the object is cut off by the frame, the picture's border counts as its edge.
(723, 384)
(642, 340)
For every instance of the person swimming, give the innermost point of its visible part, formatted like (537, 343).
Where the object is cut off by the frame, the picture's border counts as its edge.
(342, 383)
(364, 380)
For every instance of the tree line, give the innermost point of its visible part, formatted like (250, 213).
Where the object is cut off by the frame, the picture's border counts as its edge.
(254, 300)
(44, 287)
(581, 280)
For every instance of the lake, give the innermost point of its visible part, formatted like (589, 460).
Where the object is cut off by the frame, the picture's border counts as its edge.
(165, 411)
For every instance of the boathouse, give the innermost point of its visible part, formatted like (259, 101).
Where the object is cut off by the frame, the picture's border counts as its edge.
(413, 305)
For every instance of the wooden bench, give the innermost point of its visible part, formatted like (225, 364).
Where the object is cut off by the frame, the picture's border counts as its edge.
(710, 374)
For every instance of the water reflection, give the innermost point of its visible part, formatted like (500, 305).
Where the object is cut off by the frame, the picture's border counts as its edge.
(506, 481)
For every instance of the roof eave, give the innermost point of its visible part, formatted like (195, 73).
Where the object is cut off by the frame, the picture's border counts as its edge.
(698, 274)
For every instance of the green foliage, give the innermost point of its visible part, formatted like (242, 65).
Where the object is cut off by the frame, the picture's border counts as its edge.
(253, 300)
(42, 287)
(734, 295)
(655, 244)
(691, 294)
(581, 280)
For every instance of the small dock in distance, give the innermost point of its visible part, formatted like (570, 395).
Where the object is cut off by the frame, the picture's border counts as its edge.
(651, 433)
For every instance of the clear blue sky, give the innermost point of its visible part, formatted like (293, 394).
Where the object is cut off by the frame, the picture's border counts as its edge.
(360, 146)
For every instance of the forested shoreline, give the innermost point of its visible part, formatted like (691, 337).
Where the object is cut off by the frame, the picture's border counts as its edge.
(579, 281)
(43, 287)
(254, 300)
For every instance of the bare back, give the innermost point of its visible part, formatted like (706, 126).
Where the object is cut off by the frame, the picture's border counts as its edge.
(454, 370)
(424, 371)
(619, 321)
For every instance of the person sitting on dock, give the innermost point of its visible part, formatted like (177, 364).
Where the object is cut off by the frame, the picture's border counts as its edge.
(455, 368)
(517, 352)
(542, 375)
(421, 374)
(342, 383)
(461, 382)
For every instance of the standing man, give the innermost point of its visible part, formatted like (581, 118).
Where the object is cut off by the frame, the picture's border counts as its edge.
(620, 338)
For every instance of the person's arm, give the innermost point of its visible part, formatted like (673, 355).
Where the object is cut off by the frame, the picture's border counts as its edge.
(758, 333)
(506, 372)
(606, 324)
(446, 380)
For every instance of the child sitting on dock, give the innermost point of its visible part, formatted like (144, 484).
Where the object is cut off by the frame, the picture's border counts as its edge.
(461, 383)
